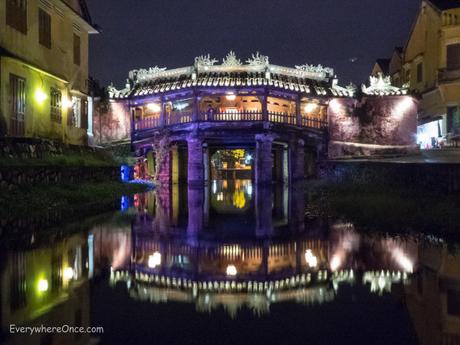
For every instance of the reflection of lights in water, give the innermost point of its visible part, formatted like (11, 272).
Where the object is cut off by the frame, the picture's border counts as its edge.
(232, 250)
(239, 200)
(403, 261)
(124, 204)
(42, 285)
(231, 270)
(311, 259)
(249, 189)
(214, 187)
(68, 273)
(154, 260)
(335, 262)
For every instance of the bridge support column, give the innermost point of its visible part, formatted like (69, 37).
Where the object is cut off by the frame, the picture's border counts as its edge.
(195, 211)
(263, 159)
(195, 161)
(264, 224)
(297, 158)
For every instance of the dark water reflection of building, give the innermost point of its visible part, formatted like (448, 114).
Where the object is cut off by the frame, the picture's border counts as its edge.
(174, 249)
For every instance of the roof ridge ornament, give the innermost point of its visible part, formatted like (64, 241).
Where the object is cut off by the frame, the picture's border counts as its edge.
(231, 60)
(147, 74)
(205, 60)
(327, 71)
(258, 60)
(381, 85)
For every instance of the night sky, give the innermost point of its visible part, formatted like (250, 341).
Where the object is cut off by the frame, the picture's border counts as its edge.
(170, 33)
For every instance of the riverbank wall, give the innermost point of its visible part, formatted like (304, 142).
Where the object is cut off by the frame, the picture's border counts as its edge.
(29, 161)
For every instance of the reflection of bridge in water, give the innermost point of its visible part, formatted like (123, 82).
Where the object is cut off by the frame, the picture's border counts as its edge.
(273, 257)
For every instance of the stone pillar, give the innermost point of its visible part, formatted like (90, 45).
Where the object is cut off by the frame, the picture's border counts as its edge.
(195, 210)
(196, 108)
(263, 100)
(297, 208)
(174, 164)
(298, 111)
(206, 163)
(195, 161)
(263, 161)
(163, 161)
(162, 113)
(263, 204)
(297, 160)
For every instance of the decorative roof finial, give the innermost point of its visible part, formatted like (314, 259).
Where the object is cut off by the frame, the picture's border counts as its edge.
(231, 60)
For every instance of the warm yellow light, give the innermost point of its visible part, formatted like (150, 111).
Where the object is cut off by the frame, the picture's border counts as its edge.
(230, 97)
(335, 262)
(42, 285)
(154, 107)
(231, 270)
(67, 102)
(310, 107)
(68, 273)
(40, 96)
(154, 260)
(311, 259)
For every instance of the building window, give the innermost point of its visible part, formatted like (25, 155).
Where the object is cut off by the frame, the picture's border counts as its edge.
(420, 72)
(76, 49)
(453, 56)
(407, 76)
(56, 105)
(75, 114)
(44, 28)
(17, 101)
(16, 15)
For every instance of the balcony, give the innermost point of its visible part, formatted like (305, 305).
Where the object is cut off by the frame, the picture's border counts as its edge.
(234, 116)
(448, 75)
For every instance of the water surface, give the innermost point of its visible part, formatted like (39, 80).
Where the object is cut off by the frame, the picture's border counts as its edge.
(230, 264)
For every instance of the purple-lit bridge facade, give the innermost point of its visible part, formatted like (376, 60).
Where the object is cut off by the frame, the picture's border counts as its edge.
(180, 117)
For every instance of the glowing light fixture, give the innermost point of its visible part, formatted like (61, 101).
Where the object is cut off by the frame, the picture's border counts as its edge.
(230, 97)
(231, 270)
(42, 285)
(40, 96)
(403, 106)
(311, 259)
(68, 273)
(67, 103)
(310, 107)
(154, 107)
(154, 260)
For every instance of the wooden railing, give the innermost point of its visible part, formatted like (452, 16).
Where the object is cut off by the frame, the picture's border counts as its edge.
(282, 118)
(146, 123)
(177, 118)
(313, 123)
(232, 116)
(276, 117)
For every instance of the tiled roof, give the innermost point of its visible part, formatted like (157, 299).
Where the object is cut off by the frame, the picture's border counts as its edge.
(234, 80)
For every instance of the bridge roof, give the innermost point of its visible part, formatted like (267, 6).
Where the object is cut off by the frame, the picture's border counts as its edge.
(306, 79)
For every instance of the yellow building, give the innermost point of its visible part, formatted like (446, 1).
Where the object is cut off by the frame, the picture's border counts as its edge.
(44, 69)
(429, 65)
